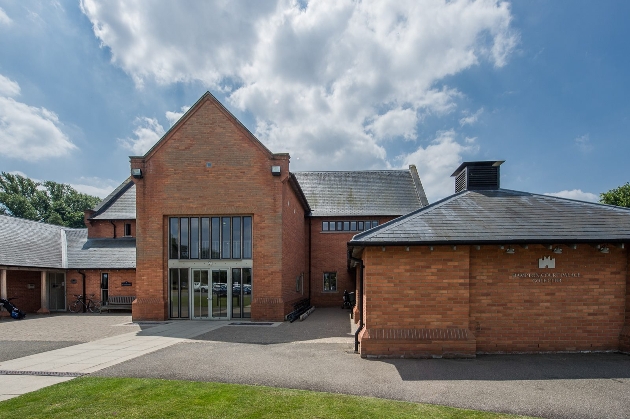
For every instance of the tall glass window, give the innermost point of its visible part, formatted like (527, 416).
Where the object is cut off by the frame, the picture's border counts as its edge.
(225, 237)
(216, 238)
(247, 237)
(174, 238)
(184, 247)
(194, 238)
(236, 237)
(205, 238)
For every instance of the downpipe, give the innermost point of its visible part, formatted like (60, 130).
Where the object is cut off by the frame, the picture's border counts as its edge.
(360, 302)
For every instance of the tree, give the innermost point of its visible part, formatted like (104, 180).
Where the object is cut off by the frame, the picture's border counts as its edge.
(619, 196)
(47, 201)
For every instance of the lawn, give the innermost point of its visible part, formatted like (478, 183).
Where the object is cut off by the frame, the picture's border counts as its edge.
(91, 397)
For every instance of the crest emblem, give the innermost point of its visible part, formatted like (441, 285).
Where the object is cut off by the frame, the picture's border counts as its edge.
(547, 262)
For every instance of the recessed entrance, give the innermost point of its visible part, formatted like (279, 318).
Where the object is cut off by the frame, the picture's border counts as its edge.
(56, 291)
(222, 293)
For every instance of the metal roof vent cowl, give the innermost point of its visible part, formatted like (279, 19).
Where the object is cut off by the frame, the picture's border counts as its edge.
(478, 175)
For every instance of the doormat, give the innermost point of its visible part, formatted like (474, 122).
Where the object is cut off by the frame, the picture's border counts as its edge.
(250, 324)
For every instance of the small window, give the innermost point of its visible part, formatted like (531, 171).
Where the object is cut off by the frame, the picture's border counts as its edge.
(331, 225)
(353, 226)
(325, 226)
(360, 225)
(346, 225)
(339, 225)
(374, 224)
(128, 229)
(330, 281)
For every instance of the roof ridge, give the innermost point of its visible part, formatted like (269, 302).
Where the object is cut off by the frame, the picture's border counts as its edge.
(577, 201)
(402, 218)
(41, 223)
(351, 171)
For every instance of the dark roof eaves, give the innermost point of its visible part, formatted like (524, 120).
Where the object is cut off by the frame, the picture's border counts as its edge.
(556, 241)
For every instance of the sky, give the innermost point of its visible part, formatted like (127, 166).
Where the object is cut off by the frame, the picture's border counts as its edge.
(340, 85)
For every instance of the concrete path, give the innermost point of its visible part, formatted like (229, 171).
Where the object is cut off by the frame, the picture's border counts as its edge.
(46, 367)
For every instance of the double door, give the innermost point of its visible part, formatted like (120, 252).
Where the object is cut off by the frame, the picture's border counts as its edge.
(223, 293)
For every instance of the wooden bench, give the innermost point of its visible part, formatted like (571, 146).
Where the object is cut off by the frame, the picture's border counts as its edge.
(118, 303)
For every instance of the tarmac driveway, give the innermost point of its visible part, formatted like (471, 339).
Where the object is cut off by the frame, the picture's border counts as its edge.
(317, 354)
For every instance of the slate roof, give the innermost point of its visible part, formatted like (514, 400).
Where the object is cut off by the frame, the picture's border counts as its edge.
(118, 205)
(503, 216)
(31, 244)
(362, 193)
(84, 253)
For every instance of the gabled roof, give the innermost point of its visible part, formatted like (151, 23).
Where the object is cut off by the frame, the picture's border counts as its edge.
(206, 97)
(503, 216)
(361, 193)
(118, 205)
(31, 244)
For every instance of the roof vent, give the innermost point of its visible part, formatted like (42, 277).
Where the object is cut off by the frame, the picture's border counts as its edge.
(476, 175)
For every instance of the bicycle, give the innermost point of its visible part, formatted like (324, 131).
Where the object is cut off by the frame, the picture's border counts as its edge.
(90, 305)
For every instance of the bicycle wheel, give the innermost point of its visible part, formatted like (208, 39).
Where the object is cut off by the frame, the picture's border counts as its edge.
(94, 306)
(75, 307)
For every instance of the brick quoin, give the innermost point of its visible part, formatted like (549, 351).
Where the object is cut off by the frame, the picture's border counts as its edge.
(445, 302)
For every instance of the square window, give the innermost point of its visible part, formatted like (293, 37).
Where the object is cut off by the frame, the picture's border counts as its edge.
(330, 281)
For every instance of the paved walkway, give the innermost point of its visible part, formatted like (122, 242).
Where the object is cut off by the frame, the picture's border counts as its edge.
(46, 367)
(316, 354)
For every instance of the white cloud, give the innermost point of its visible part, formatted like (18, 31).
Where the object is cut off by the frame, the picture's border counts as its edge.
(4, 19)
(576, 194)
(437, 161)
(583, 143)
(471, 119)
(26, 132)
(148, 131)
(8, 87)
(328, 81)
(95, 186)
(174, 116)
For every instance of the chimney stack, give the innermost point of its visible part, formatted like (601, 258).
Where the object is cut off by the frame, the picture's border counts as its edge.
(478, 175)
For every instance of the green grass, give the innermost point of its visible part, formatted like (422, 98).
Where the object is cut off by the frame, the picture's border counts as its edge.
(91, 397)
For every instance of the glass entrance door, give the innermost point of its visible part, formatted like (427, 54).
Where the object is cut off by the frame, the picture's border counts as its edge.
(220, 293)
(200, 294)
(178, 293)
(241, 293)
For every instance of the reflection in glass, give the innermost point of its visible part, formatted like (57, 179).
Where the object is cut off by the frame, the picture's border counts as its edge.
(200, 293)
(247, 237)
(194, 238)
(236, 237)
(183, 249)
(174, 238)
(183, 293)
(174, 291)
(205, 238)
(225, 238)
(236, 293)
(216, 238)
(246, 286)
(219, 293)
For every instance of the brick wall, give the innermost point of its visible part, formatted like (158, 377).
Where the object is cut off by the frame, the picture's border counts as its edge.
(458, 302)
(329, 253)
(416, 302)
(295, 248)
(27, 300)
(567, 314)
(105, 229)
(93, 283)
(178, 182)
(624, 337)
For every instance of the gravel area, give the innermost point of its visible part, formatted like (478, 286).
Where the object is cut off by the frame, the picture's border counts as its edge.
(66, 327)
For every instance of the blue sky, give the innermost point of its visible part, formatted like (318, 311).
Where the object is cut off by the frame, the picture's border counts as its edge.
(340, 85)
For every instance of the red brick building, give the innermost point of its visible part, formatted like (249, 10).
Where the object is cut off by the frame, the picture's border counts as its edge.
(490, 270)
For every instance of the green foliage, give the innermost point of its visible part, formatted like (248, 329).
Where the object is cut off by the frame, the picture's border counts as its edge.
(94, 397)
(619, 196)
(50, 202)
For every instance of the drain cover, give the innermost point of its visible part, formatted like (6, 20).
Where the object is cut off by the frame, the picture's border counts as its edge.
(250, 324)
(43, 373)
